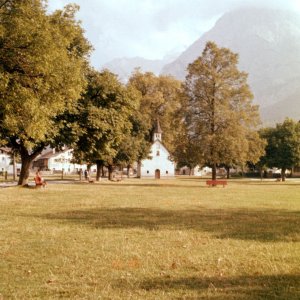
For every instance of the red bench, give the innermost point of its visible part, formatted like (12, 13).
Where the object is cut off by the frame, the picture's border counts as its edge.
(216, 182)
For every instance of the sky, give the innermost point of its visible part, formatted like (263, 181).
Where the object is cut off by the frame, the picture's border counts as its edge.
(153, 29)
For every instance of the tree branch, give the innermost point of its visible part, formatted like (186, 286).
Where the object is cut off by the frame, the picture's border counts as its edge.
(3, 3)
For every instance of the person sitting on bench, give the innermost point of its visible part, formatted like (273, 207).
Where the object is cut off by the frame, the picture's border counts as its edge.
(39, 181)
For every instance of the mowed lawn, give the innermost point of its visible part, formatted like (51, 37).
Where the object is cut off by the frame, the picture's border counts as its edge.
(146, 239)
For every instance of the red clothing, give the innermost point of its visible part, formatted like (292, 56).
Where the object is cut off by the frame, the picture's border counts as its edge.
(39, 180)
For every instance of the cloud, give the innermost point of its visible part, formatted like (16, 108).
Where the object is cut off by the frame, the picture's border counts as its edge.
(152, 28)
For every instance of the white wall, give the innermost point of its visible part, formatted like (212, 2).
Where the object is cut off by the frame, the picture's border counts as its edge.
(160, 161)
(6, 163)
(62, 161)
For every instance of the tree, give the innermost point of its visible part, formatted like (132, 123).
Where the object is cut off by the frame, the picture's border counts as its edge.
(283, 146)
(42, 62)
(186, 152)
(160, 98)
(103, 118)
(134, 147)
(220, 116)
(248, 151)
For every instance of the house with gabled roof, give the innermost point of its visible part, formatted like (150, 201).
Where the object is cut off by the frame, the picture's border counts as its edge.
(159, 164)
(6, 161)
(57, 161)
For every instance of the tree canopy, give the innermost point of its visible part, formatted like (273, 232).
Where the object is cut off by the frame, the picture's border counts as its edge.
(42, 62)
(283, 146)
(104, 118)
(220, 117)
(160, 99)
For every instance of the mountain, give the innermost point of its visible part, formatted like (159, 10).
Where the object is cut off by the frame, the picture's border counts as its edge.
(123, 67)
(268, 44)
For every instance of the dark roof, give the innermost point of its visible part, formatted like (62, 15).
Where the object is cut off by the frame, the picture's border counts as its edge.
(5, 149)
(157, 128)
(50, 154)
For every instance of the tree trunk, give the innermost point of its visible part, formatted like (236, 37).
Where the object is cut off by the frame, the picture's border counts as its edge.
(110, 171)
(98, 174)
(14, 166)
(283, 174)
(128, 171)
(227, 172)
(102, 171)
(24, 174)
(214, 172)
(26, 160)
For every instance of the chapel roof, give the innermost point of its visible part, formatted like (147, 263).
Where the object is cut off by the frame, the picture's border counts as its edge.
(157, 128)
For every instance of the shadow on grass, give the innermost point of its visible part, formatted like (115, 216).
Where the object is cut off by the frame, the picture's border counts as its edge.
(243, 287)
(179, 183)
(167, 185)
(262, 225)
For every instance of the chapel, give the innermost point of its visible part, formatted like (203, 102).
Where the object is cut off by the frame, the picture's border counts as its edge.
(158, 165)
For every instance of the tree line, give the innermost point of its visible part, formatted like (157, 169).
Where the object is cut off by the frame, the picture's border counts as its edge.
(51, 96)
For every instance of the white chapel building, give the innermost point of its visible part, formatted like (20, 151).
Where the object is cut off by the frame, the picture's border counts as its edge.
(158, 165)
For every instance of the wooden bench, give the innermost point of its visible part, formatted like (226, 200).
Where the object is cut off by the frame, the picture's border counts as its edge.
(216, 182)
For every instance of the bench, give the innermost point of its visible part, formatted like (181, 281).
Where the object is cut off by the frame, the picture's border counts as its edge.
(216, 182)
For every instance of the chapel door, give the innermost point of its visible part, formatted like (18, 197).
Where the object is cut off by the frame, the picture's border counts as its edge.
(157, 174)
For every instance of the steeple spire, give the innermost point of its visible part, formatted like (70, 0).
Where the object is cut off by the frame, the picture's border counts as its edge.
(157, 131)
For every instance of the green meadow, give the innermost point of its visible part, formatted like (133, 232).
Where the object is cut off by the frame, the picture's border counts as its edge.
(147, 239)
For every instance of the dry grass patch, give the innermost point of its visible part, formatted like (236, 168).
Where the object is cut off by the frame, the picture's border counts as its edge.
(172, 239)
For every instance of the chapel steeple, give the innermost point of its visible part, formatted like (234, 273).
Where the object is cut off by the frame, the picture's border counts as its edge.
(157, 131)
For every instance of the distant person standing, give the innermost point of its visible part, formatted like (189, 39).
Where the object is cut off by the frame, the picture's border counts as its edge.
(86, 174)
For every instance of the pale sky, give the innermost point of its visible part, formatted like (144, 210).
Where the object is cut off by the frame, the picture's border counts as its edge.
(152, 29)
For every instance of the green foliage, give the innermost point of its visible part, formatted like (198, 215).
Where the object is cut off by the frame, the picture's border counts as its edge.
(134, 147)
(187, 152)
(220, 116)
(160, 98)
(42, 58)
(104, 118)
(283, 145)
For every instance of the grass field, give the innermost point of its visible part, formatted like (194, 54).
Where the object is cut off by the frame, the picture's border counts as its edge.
(144, 239)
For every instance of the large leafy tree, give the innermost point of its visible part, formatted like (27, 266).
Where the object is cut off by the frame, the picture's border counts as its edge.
(42, 62)
(283, 146)
(220, 116)
(134, 147)
(186, 152)
(160, 99)
(103, 118)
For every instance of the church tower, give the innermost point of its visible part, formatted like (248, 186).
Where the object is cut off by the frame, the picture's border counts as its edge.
(157, 132)
(158, 164)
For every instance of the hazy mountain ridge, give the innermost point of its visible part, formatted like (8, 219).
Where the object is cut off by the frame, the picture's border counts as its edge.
(268, 43)
(125, 66)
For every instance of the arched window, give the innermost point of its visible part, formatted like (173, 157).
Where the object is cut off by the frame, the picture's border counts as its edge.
(157, 153)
